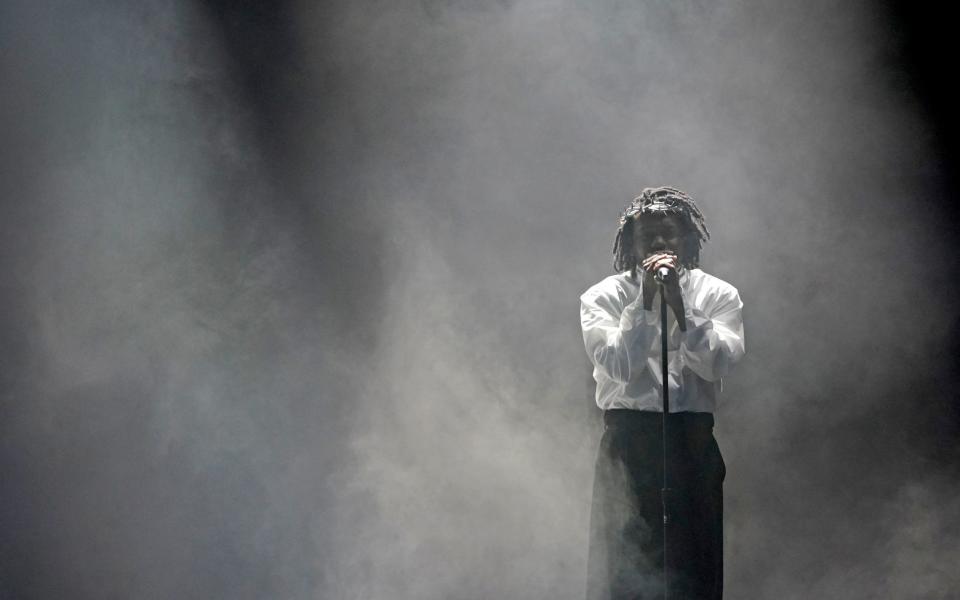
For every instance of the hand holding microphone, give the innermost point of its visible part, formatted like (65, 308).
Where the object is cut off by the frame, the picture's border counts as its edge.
(662, 265)
(660, 271)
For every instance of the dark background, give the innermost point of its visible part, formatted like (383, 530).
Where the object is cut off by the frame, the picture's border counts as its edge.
(289, 290)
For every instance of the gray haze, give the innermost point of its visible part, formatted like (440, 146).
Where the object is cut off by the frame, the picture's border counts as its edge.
(334, 352)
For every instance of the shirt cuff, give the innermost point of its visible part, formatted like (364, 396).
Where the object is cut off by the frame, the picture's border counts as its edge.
(634, 316)
(698, 324)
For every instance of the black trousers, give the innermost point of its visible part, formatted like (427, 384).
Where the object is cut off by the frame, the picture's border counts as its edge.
(626, 523)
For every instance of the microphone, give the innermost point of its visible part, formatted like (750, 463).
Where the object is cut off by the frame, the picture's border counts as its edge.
(662, 274)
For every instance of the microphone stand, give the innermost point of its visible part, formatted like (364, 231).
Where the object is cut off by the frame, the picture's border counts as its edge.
(665, 378)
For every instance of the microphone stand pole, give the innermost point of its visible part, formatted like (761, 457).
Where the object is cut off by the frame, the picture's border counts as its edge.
(665, 379)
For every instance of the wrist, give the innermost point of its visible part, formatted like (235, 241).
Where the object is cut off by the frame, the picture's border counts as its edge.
(679, 311)
(649, 290)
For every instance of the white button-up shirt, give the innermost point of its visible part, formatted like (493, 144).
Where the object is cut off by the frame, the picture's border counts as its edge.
(623, 342)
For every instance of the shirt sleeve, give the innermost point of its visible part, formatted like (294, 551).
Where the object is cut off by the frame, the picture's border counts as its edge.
(616, 339)
(713, 342)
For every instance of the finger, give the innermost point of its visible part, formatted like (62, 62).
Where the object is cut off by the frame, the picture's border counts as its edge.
(651, 266)
(653, 258)
(667, 261)
(657, 255)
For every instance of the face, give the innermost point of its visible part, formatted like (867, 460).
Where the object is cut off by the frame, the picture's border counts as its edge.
(659, 233)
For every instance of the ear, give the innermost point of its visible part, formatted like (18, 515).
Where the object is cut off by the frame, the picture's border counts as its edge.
(691, 250)
(630, 230)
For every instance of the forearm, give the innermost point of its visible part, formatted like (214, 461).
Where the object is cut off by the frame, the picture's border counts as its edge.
(711, 346)
(674, 301)
(618, 346)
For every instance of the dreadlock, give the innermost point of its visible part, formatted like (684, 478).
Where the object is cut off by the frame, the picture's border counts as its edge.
(662, 201)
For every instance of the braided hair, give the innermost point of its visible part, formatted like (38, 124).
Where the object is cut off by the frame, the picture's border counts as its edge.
(659, 201)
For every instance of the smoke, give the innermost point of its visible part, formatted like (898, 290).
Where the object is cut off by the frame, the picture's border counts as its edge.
(309, 329)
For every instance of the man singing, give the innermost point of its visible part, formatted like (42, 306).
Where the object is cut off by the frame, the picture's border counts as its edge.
(657, 257)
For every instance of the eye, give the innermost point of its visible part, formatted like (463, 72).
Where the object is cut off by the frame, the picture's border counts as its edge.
(655, 232)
